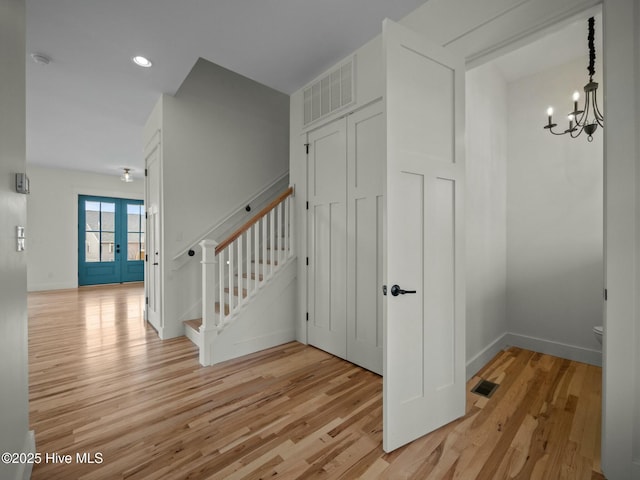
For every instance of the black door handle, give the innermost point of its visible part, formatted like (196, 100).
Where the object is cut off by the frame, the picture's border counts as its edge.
(396, 290)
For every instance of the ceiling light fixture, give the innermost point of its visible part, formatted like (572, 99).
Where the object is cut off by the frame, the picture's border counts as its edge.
(142, 61)
(581, 117)
(126, 176)
(40, 58)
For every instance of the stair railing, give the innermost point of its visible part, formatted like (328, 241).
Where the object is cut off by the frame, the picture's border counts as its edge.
(234, 270)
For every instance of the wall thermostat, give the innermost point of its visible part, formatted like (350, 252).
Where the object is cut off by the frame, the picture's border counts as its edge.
(22, 183)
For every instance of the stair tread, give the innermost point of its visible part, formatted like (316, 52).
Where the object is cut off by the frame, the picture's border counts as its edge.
(253, 276)
(268, 262)
(195, 323)
(226, 308)
(235, 291)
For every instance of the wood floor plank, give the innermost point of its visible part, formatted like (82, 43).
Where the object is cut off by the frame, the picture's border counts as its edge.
(102, 382)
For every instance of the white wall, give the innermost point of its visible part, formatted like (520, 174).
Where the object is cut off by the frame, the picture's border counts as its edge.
(636, 362)
(554, 220)
(225, 138)
(486, 196)
(52, 212)
(14, 395)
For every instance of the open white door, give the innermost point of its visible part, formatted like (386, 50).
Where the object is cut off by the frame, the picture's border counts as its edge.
(424, 343)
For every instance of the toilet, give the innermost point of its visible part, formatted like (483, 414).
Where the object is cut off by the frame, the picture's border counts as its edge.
(597, 332)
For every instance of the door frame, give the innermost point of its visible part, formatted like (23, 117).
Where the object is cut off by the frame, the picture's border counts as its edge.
(154, 205)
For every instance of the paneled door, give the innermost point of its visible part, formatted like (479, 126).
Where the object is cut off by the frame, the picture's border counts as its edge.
(424, 343)
(327, 239)
(111, 240)
(345, 222)
(366, 210)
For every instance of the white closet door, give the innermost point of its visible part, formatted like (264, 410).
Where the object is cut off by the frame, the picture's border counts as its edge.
(327, 239)
(366, 164)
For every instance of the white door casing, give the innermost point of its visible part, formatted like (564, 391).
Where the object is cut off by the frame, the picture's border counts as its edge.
(424, 342)
(153, 268)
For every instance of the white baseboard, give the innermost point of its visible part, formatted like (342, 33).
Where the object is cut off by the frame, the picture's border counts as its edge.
(25, 469)
(42, 287)
(486, 354)
(557, 349)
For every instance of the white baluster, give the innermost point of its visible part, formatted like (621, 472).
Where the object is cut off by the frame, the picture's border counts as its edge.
(248, 255)
(221, 282)
(240, 262)
(231, 260)
(209, 272)
(256, 254)
(272, 233)
(263, 260)
(279, 231)
(287, 246)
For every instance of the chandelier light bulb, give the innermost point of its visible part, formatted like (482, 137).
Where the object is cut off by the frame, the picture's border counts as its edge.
(576, 96)
(550, 111)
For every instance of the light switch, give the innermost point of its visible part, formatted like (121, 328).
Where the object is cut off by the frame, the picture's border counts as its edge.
(20, 238)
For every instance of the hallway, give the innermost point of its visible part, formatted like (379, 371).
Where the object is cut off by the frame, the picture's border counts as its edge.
(103, 386)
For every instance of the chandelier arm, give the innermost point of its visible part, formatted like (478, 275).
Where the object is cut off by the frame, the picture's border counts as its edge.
(579, 130)
(596, 111)
(556, 133)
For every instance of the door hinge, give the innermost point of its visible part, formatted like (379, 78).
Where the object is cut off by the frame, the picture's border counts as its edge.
(146, 215)
(605, 295)
(146, 172)
(146, 257)
(307, 205)
(307, 147)
(147, 300)
(307, 316)
(307, 261)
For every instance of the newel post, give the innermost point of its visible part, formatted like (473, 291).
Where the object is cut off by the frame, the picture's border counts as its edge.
(208, 333)
(209, 283)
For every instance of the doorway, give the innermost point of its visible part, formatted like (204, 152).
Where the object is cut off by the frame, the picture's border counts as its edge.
(534, 202)
(111, 240)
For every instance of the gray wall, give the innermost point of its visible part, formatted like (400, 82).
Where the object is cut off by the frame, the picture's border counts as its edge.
(486, 236)
(225, 138)
(14, 406)
(554, 220)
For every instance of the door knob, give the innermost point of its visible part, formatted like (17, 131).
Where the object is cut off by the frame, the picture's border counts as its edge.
(396, 290)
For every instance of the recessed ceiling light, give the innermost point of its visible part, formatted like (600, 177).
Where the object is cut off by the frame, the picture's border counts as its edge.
(142, 61)
(40, 58)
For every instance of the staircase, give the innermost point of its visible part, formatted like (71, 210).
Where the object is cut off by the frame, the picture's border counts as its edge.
(247, 281)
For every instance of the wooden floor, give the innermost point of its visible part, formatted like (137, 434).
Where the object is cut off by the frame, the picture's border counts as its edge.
(102, 385)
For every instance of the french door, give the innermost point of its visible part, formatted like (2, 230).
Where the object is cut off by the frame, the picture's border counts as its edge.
(111, 240)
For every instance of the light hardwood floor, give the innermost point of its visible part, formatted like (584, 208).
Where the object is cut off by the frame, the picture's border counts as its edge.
(102, 383)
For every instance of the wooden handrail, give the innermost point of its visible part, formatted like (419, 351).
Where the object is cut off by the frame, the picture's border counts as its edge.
(229, 240)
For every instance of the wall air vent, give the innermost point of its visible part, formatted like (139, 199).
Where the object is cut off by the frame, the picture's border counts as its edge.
(329, 93)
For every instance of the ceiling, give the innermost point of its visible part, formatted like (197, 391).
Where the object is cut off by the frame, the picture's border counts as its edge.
(561, 44)
(87, 107)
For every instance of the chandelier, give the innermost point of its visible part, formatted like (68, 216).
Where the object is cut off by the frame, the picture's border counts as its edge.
(589, 117)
